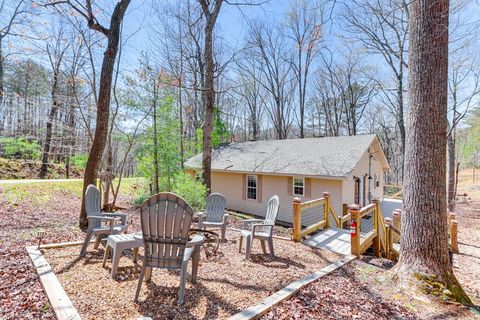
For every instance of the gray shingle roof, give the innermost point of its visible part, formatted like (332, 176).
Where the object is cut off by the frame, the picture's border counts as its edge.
(329, 156)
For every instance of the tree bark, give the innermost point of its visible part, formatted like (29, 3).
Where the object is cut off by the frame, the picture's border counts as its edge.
(103, 104)
(156, 174)
(424, 252)
(452, 166)
(210, 18)
(2, 87)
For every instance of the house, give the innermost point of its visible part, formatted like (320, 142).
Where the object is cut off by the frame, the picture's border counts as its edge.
(351, 168)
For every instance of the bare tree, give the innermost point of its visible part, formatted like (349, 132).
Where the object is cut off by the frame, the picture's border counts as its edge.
(463, 88)
(305, 27)
(382, 28)
(424, 249)
(250, 91)
(112, 33)
(268, 48)
(9, 18)
(55, 56)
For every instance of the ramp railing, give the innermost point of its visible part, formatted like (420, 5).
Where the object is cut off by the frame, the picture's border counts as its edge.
(328, 211)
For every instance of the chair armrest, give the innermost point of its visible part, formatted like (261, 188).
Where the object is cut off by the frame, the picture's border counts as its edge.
(250, 221)
(258, 225)
(109, 219)
(225, 217)
(122, 216)
(101, 218)
(187, 254)
(201, 215)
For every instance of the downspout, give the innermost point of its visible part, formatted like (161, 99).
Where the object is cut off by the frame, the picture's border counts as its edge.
(369, 175)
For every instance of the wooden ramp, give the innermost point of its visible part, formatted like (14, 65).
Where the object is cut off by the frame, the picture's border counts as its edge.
(333, 239)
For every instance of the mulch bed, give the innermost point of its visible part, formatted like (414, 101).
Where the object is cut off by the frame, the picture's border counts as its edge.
(226, 282)
(363, 289)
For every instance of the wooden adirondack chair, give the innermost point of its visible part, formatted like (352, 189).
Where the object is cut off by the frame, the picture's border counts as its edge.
(165, 220)
(261, 229)
(95, 218)
(214, 214)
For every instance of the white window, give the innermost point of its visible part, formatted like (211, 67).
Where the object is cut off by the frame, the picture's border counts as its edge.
(251, 187)
(299, 186)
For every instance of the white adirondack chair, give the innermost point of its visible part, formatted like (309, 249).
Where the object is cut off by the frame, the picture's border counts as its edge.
(214, 214)
(261, 229)
(165, 220)
(95, 218)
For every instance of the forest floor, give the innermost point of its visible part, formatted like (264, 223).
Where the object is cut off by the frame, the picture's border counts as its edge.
(23, 169)
(362, 289)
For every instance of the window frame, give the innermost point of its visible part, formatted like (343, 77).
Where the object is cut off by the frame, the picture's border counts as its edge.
(303, 186)
(247, 187)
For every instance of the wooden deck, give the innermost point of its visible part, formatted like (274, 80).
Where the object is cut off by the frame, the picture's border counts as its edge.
(333, 239)
(339, 241)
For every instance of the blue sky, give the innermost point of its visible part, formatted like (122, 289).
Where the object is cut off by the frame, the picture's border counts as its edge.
(231, 25)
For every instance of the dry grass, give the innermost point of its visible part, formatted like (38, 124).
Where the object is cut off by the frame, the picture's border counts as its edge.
(467, 185)
(226, 283)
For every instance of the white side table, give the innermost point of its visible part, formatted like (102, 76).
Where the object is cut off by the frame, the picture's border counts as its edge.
(118, 243)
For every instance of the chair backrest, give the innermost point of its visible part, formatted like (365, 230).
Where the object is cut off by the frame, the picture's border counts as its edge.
(272, 212)
(215, 207)
(165, 220)
(92, 204)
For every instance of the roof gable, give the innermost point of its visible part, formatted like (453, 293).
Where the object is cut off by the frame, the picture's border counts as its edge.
(329, 156)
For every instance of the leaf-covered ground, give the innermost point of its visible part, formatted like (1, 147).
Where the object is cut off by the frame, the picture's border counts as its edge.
(26, 209)
(363, 289)
(359, 291)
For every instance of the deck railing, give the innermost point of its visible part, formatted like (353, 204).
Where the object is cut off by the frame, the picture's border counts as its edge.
(361, 242)
(327, 212)
(393, 232)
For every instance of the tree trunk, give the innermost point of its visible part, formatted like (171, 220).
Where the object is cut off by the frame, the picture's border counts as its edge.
(209, 92)
(451, 172)
(1, 76)
(156, 173)
(51, 119)
(424, 252)
(209, 105)
(400, 119)
(103, 104)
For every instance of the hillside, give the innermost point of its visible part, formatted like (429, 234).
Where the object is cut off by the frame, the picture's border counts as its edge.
(22, 169)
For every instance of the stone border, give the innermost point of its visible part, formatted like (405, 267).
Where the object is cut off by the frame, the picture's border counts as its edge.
(61, 303)
(263, 307)
(64, 309)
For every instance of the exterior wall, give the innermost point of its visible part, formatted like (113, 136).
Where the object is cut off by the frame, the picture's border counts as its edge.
(231, 186)
(360, 170)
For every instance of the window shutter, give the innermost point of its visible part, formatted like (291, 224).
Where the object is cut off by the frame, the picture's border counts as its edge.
(308, 188)
(244, 187)
(290, 186)
(259, 188)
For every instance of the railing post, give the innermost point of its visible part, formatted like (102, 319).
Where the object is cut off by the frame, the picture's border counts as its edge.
(355, 232)
(297, 219)
(326, 209)
(388, 238)
(397, 223)
(376, 224)
(344, 213)
(453, 232)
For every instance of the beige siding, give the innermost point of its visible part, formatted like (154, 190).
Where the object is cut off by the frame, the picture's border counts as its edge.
(362, 169)
(231, 186)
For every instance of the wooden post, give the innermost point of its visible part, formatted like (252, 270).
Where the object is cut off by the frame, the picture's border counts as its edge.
(355, 214)
(453, 232)
(388, 238)
(376, 226)
(396, 224)
(297, 219)
(344, 213)
(326, 209)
